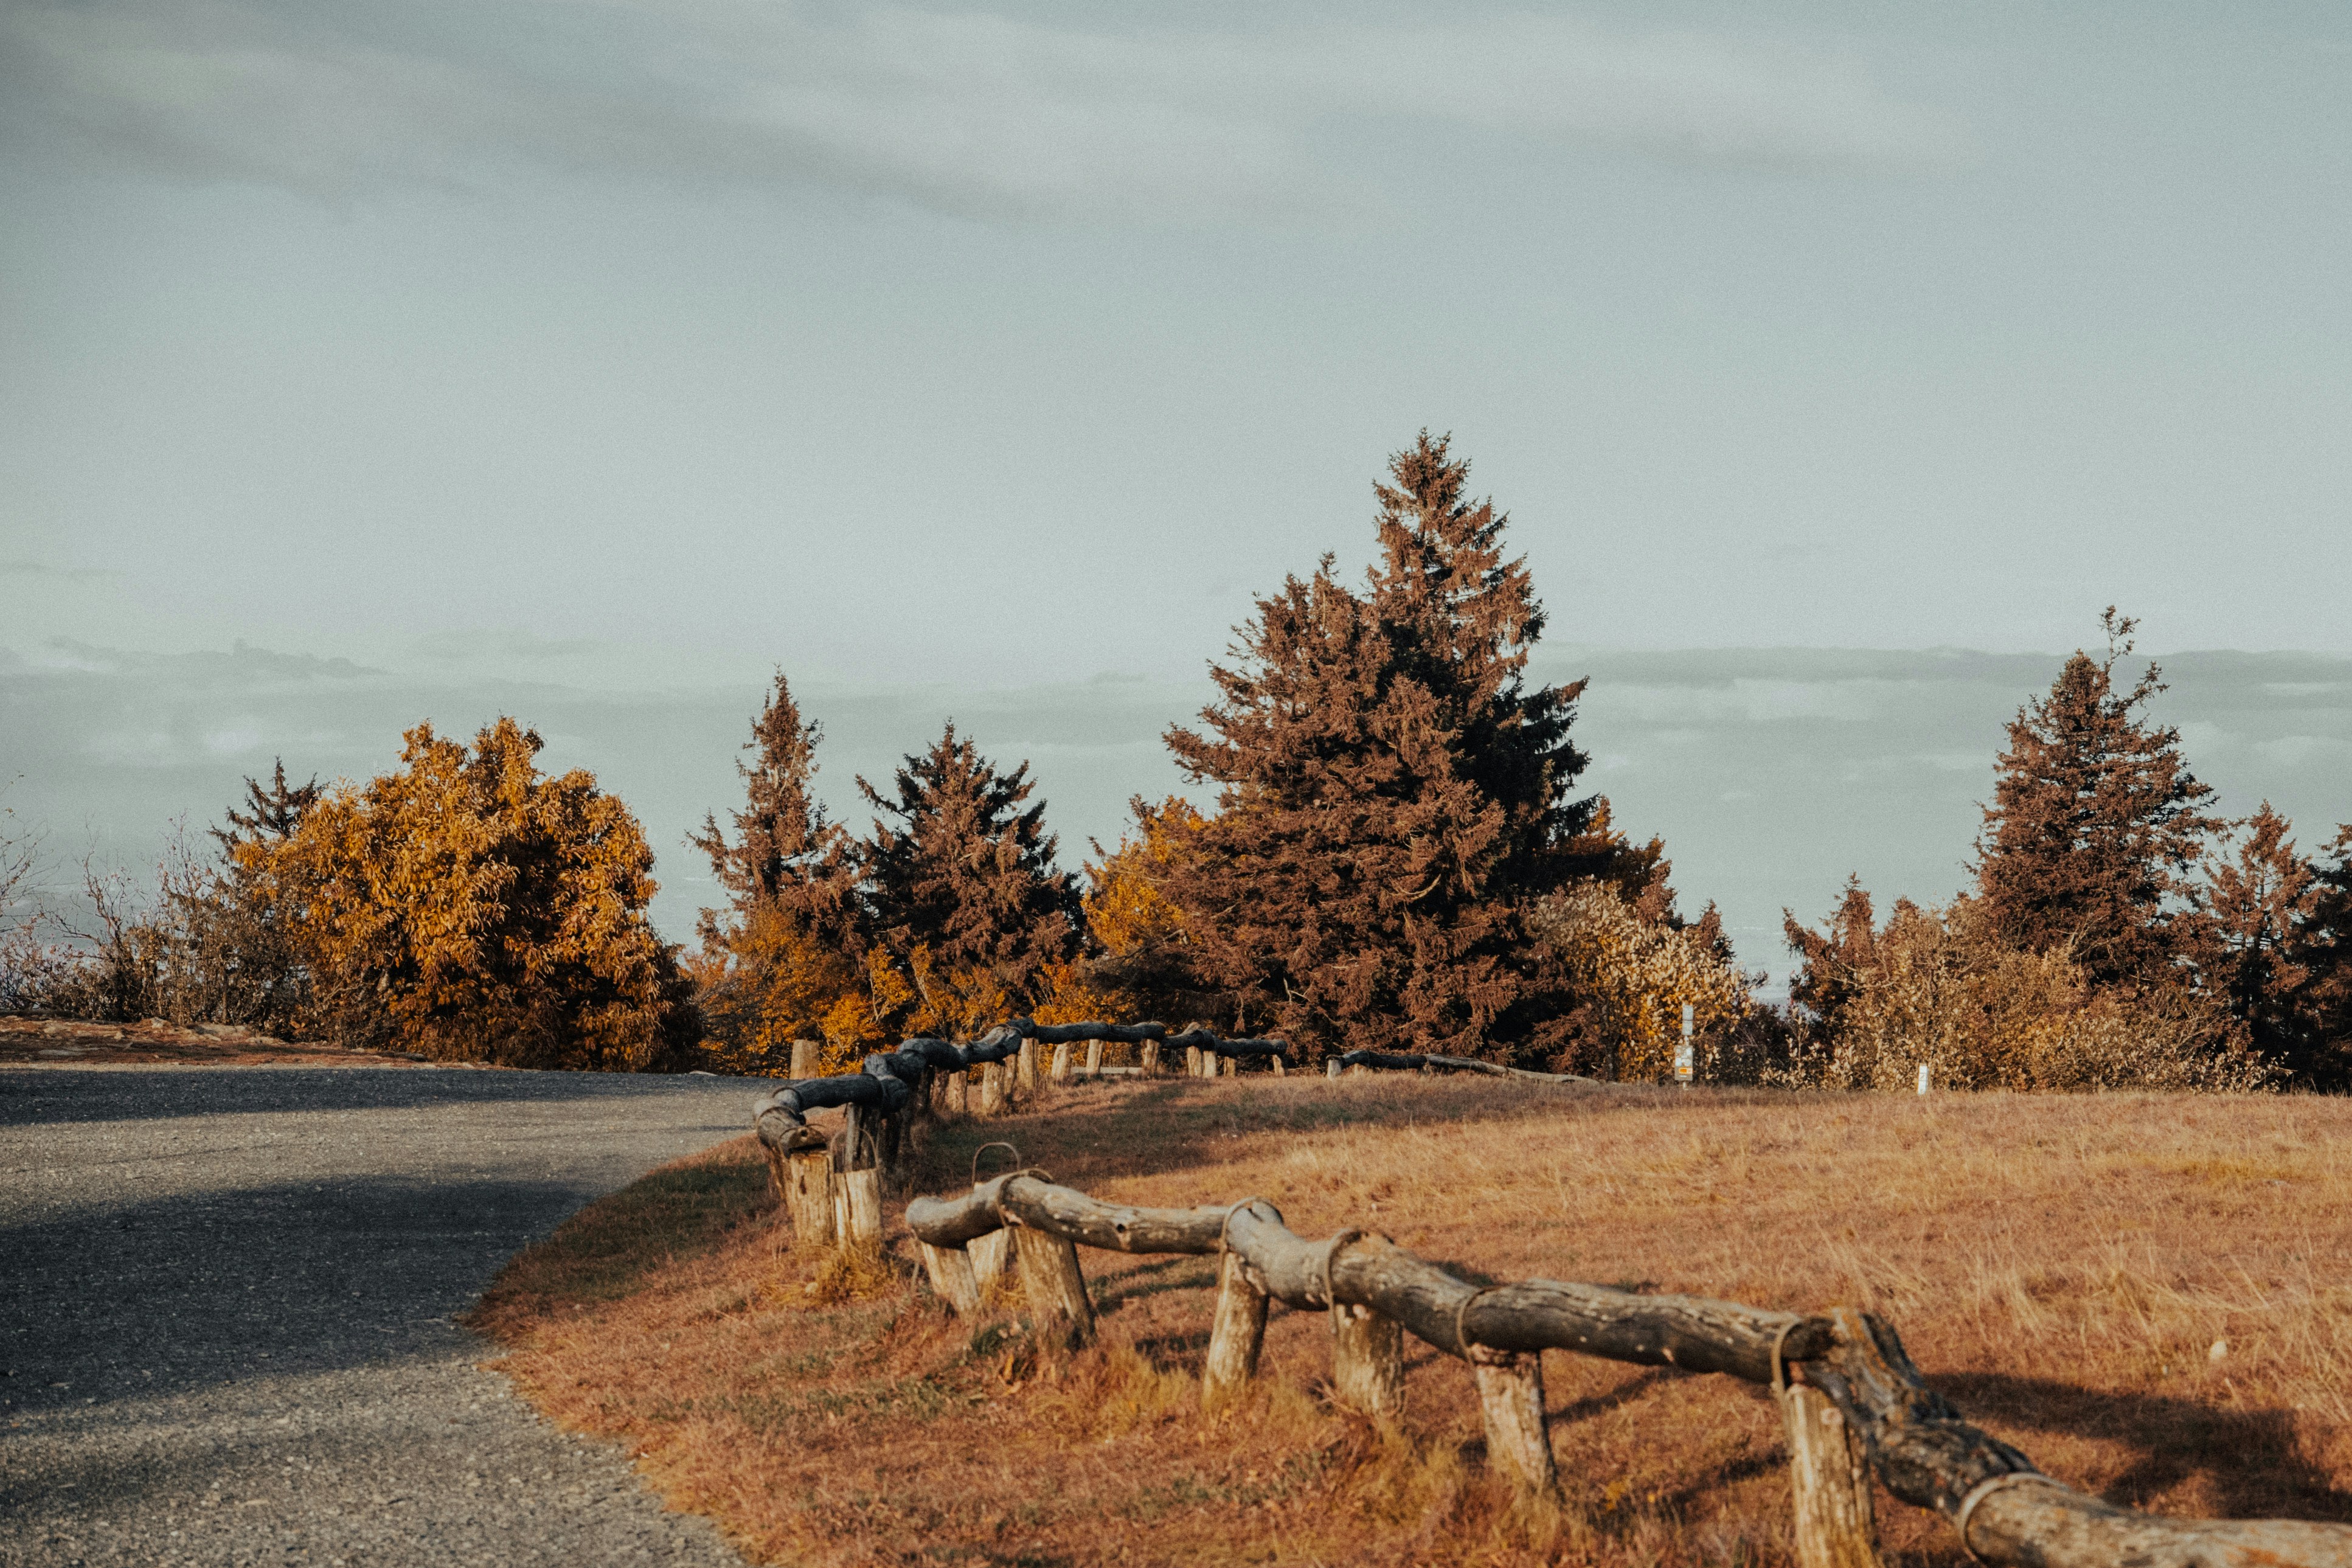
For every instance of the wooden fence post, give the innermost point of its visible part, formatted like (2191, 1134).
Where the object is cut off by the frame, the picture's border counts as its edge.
(1055, 1286)
(1093, 1059)
(1331, 1067)
(1026, 1076)
(1150, 1059)
(808, 1197)
(1061, 1073)
(991, 1088)
(1279, 1071)
(1191, 1061)
(805, 1059)
(951, 1087)
(1235, 1336)
(992, 1258)
(1511, 1405)
(1837, 1525)
(1230, 1067)
(952, 1277)
(858, 1208)
(1368, 1362)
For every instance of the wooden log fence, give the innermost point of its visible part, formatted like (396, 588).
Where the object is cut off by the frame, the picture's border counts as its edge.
(1853, 1403)
(831, 1185)
(1415, 1061)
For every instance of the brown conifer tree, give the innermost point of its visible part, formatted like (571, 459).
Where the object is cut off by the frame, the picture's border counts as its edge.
(1392, 793)
(785, 856)
(2320, 949)
(964, 876)
(2258, 902)
(2096, 826)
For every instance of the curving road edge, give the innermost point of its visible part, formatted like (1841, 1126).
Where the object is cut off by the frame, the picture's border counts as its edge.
(226, 1302)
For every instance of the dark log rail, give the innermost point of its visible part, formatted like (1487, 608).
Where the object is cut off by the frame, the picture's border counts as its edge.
(1415, 1061)
(1915, 1441)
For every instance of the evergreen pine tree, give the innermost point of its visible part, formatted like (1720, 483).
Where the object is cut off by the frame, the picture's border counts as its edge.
(2320, 949)
(1392, 793)
(2095, 826)
(960, 877)
(2258, 901)
(785, 856)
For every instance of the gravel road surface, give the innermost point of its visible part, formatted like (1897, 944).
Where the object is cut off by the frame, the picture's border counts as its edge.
(225, 1300)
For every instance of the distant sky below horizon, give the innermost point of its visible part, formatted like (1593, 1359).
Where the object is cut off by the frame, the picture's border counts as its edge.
(963, 355)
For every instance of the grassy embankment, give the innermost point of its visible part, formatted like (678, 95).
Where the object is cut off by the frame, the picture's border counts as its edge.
(2148, 1294)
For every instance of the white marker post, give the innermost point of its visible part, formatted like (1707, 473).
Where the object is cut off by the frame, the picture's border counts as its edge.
(1923, 1078)
(1686, 1054)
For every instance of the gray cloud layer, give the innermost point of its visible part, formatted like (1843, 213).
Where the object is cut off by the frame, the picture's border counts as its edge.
(964, 111)
(1770, 773)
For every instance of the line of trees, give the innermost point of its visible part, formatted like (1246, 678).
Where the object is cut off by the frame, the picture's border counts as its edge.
(1396, 855)
(2118, 932)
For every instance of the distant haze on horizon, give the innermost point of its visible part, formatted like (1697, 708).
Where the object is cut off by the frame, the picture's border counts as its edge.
(587, 361)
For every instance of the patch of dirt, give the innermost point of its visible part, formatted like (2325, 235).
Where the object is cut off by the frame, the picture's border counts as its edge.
(70, 1042)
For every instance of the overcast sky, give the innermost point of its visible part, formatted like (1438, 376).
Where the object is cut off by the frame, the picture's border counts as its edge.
(631, 348)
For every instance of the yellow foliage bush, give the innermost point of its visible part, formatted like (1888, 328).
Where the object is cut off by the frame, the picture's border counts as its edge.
(1632, 977)
(1938, 987)
(466, 907)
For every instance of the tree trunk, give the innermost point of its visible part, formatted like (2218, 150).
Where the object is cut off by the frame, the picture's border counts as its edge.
(1236, 1333)
(952, 1278)
(1511, 1404)
(1368, 1362)
(1836, 1526)
(1057, 1288)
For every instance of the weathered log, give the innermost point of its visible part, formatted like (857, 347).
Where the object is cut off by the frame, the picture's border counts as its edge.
(1415, 1062)
(1829, 1474)
(952, 1278)
(1055, 1286)
(1511, 1407)
(1917, 1443)
(1093, 1059)
(1236, 1333)
(1129, 1034)
(1209, 1040)
(858, 1208)
(1368, 1362)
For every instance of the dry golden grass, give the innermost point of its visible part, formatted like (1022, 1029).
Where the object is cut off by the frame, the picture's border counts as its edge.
(2063, 1267)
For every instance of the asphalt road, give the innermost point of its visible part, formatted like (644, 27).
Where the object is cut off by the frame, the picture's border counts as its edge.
(226, 1300)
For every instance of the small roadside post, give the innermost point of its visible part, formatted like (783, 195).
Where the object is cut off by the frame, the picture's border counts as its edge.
(1686, 1054)
(1923, 1078)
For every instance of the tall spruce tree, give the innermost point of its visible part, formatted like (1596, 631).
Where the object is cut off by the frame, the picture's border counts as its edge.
(2320, 951)
(2258, 900)
(785, 856)
(959, 870)
(1392, 793)
(2096, 826)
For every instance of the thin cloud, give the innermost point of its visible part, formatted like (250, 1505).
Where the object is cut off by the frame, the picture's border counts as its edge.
(978, 113)
(43, 569)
